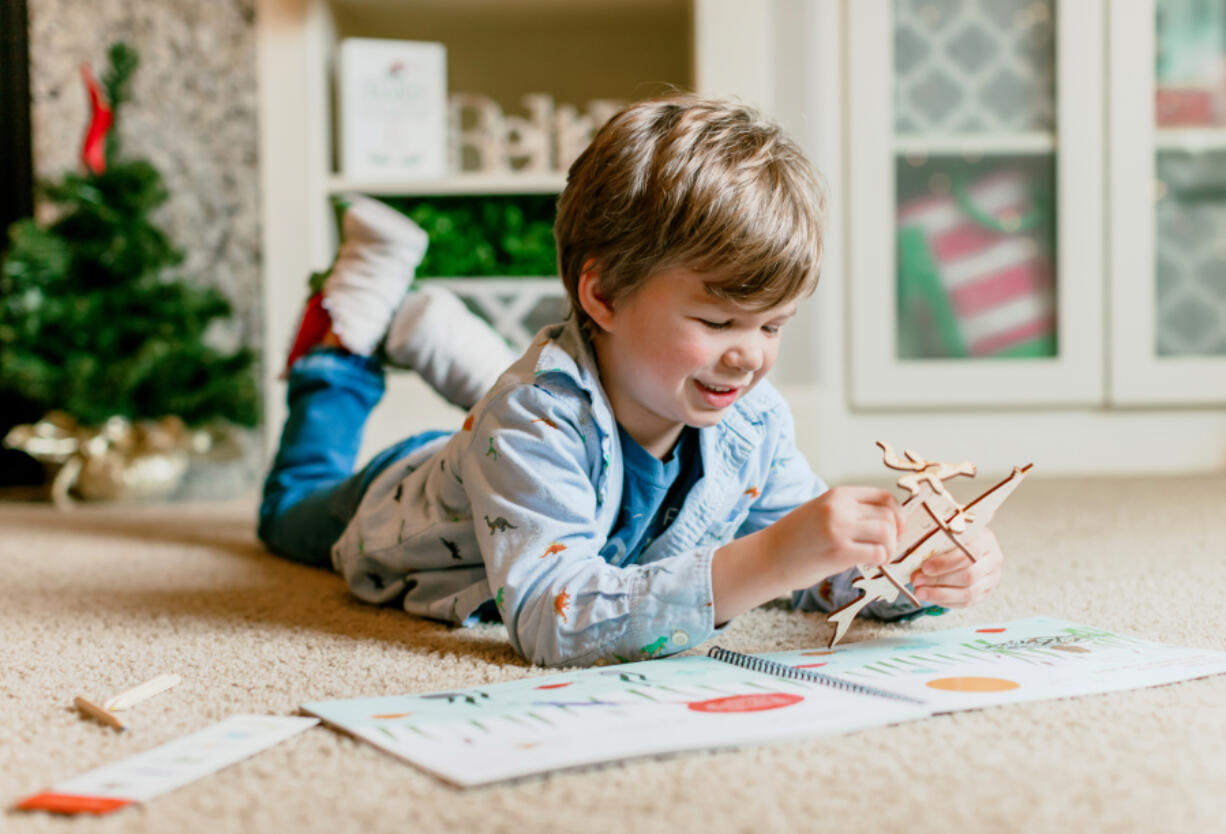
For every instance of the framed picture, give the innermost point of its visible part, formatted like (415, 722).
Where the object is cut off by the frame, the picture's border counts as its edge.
(393, 109)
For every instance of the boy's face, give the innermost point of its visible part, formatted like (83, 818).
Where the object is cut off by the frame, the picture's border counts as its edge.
(673, 355)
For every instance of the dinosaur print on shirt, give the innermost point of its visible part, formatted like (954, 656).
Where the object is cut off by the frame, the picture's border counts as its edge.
(653, 649)
(500, 525)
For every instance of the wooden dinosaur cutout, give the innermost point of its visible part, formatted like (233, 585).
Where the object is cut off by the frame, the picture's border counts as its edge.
(931, 515)
(934, 473)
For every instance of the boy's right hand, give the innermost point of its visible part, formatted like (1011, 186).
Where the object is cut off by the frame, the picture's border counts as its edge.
(840, 529)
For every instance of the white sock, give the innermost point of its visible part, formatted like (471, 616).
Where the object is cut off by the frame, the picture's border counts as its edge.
(454, 350)
(380, 248)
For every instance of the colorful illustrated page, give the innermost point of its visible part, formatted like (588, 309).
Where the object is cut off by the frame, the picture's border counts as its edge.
(489, 733)
(1004, 663)
(502, 731)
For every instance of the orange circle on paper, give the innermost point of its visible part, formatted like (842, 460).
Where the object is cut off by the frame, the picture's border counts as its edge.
(973, 684)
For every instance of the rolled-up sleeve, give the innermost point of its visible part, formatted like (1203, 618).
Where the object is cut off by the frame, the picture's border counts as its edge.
(790, 482)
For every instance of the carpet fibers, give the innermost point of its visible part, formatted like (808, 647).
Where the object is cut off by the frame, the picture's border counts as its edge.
(99, 598)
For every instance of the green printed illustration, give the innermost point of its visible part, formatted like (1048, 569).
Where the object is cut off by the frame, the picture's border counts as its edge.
(452, 697)
(492, 450)
(498, 599)
(653, 649)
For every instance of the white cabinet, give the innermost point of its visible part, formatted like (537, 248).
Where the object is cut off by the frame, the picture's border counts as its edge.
(998, 163)
(1168, 206)
(975, 199)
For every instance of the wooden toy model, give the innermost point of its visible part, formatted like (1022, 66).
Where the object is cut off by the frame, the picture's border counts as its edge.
(932, 515)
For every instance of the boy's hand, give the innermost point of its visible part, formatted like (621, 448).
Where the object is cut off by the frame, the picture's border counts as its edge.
(952, 580)
(841, 528)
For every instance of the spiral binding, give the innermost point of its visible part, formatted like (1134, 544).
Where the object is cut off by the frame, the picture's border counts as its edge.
(782, 670)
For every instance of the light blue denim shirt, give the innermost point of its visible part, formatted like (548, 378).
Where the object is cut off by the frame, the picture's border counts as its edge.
(518, 504)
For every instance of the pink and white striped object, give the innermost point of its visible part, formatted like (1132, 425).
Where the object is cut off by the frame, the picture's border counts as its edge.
(998, 284)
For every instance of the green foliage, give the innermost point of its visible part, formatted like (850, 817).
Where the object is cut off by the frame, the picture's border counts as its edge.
(91, 320)
(123, 62)
(486, 236)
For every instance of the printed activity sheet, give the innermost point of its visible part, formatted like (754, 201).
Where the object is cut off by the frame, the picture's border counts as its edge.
(501, 731)
(1024, 660)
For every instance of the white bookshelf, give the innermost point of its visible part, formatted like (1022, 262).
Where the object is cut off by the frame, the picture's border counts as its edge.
(976, 144)
(456, 185)
(1191, 139)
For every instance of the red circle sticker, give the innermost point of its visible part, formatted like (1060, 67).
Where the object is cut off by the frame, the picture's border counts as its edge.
(747, 703)
(989, 630)
(555, 685)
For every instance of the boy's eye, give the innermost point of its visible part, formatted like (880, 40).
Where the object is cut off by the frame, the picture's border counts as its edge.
(715, 325)
(771, 329)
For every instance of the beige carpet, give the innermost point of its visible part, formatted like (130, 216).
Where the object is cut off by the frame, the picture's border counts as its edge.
(95, 600)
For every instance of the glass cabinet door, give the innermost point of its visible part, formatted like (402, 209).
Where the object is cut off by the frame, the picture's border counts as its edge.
(975, 259)
(1169, 172)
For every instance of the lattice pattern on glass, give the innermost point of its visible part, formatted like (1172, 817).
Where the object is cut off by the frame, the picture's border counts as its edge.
(982, 66)
(1190, 315)
(515, 307)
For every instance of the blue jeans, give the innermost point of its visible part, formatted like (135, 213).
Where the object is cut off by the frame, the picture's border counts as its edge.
(311, 491)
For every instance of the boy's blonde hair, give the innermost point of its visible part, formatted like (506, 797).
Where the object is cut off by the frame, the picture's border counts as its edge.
(710, 185)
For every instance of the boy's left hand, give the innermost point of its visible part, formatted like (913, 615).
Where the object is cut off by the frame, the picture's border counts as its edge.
(952, 580)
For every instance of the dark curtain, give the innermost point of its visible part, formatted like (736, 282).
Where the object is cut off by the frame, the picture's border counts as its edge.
(16, 197)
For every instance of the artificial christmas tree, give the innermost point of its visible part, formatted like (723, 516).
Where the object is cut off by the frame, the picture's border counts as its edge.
(92, 321)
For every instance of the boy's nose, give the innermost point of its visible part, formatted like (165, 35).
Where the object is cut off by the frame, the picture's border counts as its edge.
(745, 356)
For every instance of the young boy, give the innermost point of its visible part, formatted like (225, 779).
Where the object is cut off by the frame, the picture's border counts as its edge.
(630, 483)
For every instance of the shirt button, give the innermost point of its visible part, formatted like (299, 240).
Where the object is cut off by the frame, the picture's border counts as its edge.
(680, 638)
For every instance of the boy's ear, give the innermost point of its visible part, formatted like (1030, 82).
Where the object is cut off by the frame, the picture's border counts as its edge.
(598, 308)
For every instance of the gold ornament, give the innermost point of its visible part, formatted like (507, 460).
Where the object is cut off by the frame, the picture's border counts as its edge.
(119, 460)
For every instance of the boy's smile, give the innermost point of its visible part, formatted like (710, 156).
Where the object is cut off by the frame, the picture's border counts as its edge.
(672, 355)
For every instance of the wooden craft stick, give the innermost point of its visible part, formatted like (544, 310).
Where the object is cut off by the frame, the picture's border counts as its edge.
(96, 712)
(143, 691)
(899, 585)
(950, 533)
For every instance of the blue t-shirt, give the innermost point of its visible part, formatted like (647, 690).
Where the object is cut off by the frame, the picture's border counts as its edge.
(653, 493)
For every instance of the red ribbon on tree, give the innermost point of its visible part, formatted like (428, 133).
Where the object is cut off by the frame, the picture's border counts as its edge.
(93, 149)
